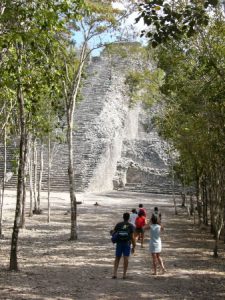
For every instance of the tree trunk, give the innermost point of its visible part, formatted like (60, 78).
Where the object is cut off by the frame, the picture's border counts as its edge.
(21, 174)
(3, 184)
(175, 204)
(204, 200)
(73, 233)
(26, 151)
(211, 208)
(206, 205)
(23, 204)
(40, 179)
(218, 230)
(199, 205)
(1, 211)
(49, 176)
(218, 201)
(70, 108)
(215, 250)
(30, 163)
(183, 195)
(35, 174)
(174, 198)
(191, 205)
(224, 226)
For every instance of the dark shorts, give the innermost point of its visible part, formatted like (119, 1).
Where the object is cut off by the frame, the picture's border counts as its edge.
(139, 230)
(122, 249)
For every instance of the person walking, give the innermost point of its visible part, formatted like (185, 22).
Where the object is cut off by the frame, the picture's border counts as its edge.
(157, 214)
(142, 209)
(125, 237)
(140, 223)
(133, 216)
(155, 244)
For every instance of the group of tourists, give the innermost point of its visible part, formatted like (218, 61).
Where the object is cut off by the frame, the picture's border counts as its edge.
(132, 229)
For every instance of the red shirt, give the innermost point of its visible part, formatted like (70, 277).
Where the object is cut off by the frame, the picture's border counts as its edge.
(140, 222)
(142, 209)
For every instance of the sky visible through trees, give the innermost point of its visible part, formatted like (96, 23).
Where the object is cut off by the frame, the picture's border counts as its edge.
(41, 76)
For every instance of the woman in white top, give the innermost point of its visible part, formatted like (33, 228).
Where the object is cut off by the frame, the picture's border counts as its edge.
(133, 217)
(155, 245)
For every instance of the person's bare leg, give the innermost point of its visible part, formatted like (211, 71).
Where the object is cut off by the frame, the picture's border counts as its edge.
(116, 265)
(160, 262)
(154, 263)
(139, 236)
(125, 266)
(136, 236)
(142, 240)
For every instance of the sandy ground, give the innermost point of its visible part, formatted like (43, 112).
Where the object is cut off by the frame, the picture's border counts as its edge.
(52, 267)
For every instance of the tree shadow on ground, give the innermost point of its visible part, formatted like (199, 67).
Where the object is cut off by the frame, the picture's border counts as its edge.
(54, 268)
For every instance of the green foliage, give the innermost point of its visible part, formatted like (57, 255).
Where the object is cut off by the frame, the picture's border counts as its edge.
(174, 20)
(34, 33)
(125, 49)
(145, 85)
(193, 115)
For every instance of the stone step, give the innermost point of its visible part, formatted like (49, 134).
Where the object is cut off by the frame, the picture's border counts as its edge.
(89, 142)
(156, 189)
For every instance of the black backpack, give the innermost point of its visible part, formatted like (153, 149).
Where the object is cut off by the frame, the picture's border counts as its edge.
(123, 234)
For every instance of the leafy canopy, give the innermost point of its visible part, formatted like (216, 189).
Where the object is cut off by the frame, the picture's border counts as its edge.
(168, 20)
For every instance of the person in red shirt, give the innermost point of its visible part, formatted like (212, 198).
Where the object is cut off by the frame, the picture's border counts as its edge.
(140, 222)
(141, 208)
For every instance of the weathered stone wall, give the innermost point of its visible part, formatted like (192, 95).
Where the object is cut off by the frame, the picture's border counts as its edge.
(143, 165)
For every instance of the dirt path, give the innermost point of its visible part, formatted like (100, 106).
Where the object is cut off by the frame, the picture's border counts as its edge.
(54, 268)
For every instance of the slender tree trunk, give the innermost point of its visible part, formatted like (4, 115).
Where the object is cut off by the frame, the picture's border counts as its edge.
(224, 226)
(205, 214)
(2, 8)
(40, 179)
(49, 177)
(217, 236)
(199, 204)
(73, 233)
(203, 192)
(21, 175)
(183, 196)
(215, 250)
(3, 184)
(213, 202)
(191, 205)
(218, 201)
(31, 180)
(173, 182)
(23, 205)
(70, 108)
(211, 208)
(174, 198)
(26, 151)
(1, 211)
(35, 174)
